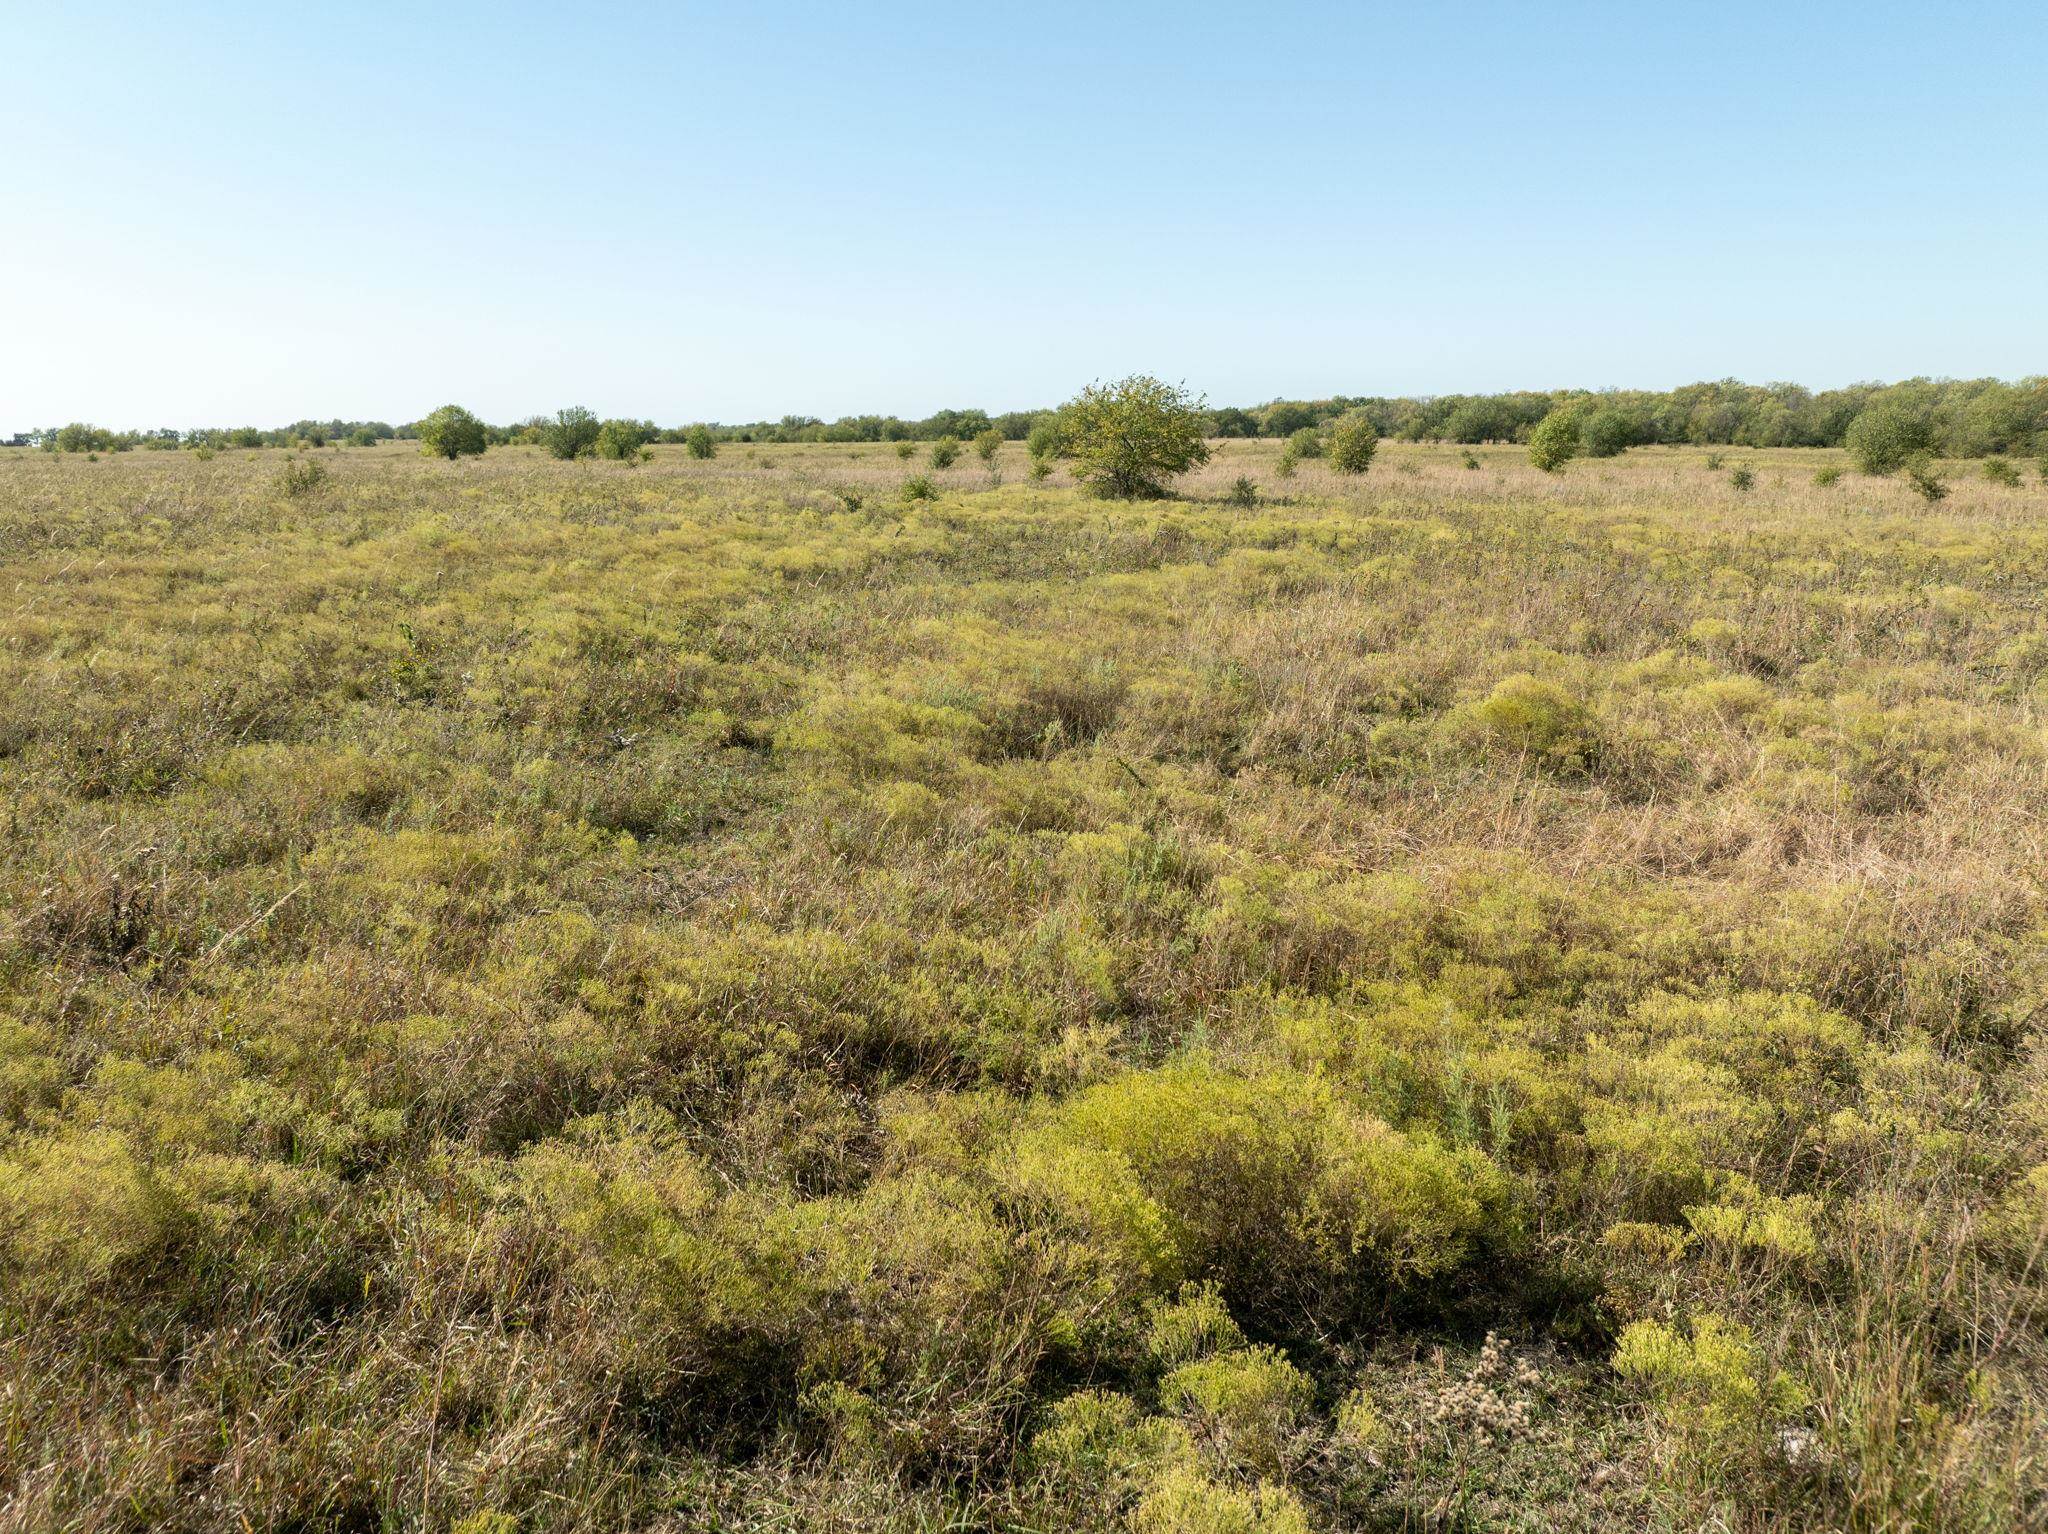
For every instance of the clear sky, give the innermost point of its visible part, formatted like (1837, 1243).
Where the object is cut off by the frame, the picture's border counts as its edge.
(214, 214)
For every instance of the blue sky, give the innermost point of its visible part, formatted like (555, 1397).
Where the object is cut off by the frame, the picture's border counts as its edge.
(215, 214)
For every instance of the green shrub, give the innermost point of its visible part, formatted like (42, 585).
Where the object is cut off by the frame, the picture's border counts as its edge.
(699, 443)
(1530, 717)
(1244, 495)
(1607, 433)
(1827, 475)
(1127, 438)
(1268, 1184)
(1353, 441)
(362, 436)
(2000, 471)
(1471, 460)
(1742, 477)
(300, 477)
(906, 450)
(1044, 440)
(1925, 479)
(1882, 438)
(1306, 443)
(571, 434)
(919, 487)
(945, 452)
(1555, 441)
(620, 441)
(451, 432)
(987, 444)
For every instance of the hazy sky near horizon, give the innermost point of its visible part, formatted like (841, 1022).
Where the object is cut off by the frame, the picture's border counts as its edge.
(215, 214)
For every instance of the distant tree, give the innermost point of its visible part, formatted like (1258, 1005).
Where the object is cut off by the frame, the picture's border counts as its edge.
(78, 437)
(362, 436)
(945, 452)
(987, 444)
(451, 432)
(1126, 438)
(621, 441)
(1555, 441)
(1283, 418)
(699, 442)
(1883, 437)
(1233, 422)
(1353, 441)
(571, 434)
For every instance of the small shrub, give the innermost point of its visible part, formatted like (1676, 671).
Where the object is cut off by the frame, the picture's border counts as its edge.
(1306, 443)
(1528, 716)
(1742, 477)
(698, 442)
(919, 487)
(1555, 441)
(301, 476)
(1925, 479)
(1353, 441)
(620, 441)
(1713, 463)
(1827, 475)
(987, 444)
(1471, 460)
(1284, 464)
(1244, 495)
(1041, 468)
(1044, 440)
(1127, 438)
(2000, 471)
(904, 450)
(945, 452)
(451, 432)
(1884, 437)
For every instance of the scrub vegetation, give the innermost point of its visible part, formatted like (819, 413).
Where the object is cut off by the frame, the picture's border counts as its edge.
(617, 984)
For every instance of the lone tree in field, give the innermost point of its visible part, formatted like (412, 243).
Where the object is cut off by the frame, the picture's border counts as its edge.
(1555, 441)
(451, 432)
(571, 434)
(1128, 437)
(698, 440)
(1883, 437)
(1352, 443)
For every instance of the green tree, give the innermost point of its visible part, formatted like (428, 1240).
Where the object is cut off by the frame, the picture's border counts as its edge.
(620, 441)
(945, 452)
(1126, 438)
(699, 442)
(1555, 441)
(571, 434)
(1883, 437)
(987, 444)
(1353, 441)
(451, 432)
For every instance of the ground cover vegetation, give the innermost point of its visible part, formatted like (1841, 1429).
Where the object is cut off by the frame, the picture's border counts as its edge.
(767, 985)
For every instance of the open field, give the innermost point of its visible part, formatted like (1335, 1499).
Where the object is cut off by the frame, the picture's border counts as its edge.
(703, 994)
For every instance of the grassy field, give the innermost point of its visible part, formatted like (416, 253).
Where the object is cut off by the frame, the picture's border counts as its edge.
(706, 995)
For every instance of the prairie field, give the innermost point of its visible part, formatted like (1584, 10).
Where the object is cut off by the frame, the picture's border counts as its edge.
(719, 995)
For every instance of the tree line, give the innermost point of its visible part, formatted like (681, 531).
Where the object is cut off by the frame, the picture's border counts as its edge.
(1957, 418)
